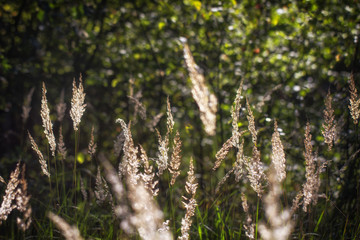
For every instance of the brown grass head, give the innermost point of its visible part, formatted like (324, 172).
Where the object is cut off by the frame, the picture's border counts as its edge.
(69, 232)
(7, 204)
(61, 107)
(175, 159)
(92, 145)
(278, 155)
(354, 105)
(139, 108)
(249, 226)
(61, 145)
(279, 226)
(22, 203)
(251, 121)
(170, 120)
(152, 124)
(77, 103)
(2, 180)
(223, 152)
(42, 161)
(313, 169)
(130, 164)
(102, 193)
(239, 165)
(189, 203)
(329, 125)
(162, 156)
(48, 127)
(26, 107)
(255, 171)
(147, 217)
(148, 175)
(206, 101)
(235, 111)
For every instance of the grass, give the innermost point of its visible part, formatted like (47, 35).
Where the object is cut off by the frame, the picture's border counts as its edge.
(196, 212)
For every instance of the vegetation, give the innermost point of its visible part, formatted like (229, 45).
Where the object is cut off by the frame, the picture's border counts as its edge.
(189, 119)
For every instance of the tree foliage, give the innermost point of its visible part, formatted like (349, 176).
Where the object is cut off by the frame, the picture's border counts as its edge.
(288, 53)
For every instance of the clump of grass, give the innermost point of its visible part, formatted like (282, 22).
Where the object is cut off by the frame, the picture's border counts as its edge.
(132, 191)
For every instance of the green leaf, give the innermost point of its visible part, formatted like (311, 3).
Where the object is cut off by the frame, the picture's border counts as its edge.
(80, 158)
(196, 4)
(161, 25)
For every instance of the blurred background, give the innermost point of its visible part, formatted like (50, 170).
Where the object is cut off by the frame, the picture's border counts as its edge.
(289, 54)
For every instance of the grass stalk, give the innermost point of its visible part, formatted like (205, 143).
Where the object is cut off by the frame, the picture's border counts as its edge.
(257, 217)
(77, 134)
(57, 182)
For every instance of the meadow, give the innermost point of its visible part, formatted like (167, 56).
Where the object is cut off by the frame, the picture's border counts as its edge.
(130, 193)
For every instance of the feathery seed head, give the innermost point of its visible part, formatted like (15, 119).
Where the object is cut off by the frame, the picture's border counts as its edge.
(329, 125)
(61, 107)
(251, 120)
(7, 204)
(69, 232)
(77, 103)
(27, 105)
(162, 156)
(92, 145)
(130, 164)
(22, 203)
(148, 175)
(48, 127)
(206, 101)
(255, 171)
(190, 204)
(280, 224)
(278, 155)
(148, 218)
(42, 161)
(354, 105)
(170, 119)
(223, 152)
(61, 145)
(249, 226)
(312, 184)
(175, 159)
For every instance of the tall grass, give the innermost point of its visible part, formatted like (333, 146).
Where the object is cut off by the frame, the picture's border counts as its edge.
(140, 196)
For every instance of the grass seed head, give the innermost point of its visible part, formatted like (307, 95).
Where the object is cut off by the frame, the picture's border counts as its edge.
(47, 124)
(69, 232)
(278, 155)
(61, 107)
(42, 161)
(77, 103)
(206, 101)
(354, 105)
(175, 159)
(329, 125)
(7, 204)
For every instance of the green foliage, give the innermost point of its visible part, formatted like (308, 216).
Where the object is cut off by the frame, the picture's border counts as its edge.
(288, 53)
